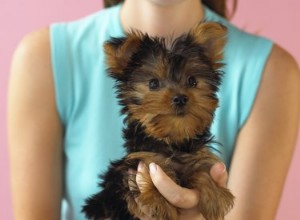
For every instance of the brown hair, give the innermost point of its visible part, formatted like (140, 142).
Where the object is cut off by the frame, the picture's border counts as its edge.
(218, 6)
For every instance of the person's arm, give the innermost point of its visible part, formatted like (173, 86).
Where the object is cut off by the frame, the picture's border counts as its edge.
(35, 132)
(266, 142)
(263, 150)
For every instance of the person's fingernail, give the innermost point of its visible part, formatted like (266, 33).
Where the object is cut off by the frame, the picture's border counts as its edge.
(219, 168)
(222, 168)
(141, 166)
(152, 168)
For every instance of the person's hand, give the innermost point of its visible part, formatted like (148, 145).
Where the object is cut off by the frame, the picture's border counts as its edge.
(185, 199)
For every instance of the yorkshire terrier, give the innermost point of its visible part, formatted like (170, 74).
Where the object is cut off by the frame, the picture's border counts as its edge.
(167, 89)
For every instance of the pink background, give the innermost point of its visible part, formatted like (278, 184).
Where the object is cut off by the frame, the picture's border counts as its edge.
(275, 19)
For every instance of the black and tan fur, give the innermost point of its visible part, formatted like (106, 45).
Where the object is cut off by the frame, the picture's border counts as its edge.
(167, 90)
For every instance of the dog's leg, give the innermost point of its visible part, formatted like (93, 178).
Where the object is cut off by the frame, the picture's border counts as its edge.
(149, 202)
(215, 201)
(145, 199)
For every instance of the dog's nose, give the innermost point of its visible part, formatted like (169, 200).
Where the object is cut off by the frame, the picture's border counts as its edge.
(180, 100)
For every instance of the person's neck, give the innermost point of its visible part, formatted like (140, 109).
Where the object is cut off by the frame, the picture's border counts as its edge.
(161, 20)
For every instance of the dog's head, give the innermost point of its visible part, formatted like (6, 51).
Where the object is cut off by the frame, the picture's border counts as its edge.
(169, 86)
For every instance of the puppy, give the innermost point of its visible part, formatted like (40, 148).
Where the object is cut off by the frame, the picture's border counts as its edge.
(167, 89)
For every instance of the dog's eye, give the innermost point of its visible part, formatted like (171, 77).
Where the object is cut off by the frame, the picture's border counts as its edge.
(153, 84)
(192, 82)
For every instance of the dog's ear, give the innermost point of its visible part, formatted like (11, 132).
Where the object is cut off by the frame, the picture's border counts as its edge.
(211, 36)
(119, 51)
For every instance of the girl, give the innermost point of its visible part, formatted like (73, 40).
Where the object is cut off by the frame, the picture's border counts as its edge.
(64, 125)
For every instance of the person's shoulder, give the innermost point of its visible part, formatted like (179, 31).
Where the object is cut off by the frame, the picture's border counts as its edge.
(282, 56)
(282, 67)
(31, 63)
(31, 81)
(279, 93)
(34, 48)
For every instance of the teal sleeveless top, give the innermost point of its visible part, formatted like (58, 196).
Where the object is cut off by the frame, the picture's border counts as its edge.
(88, 108)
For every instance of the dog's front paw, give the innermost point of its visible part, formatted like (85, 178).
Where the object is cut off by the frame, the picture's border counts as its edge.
(147, 201)
(155, 206)
(215, 201)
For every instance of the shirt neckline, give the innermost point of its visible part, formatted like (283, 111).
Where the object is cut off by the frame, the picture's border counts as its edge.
(119, 30)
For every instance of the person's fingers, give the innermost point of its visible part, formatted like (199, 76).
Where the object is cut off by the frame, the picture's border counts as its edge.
(136, 181)
(142, 171)
(131, 178)
(219, 174)
(178, 196)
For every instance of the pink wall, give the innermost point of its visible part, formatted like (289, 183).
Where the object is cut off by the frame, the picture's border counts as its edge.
(269, 18)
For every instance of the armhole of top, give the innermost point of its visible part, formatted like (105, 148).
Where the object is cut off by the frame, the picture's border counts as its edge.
(252, 79)
(61, 69)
